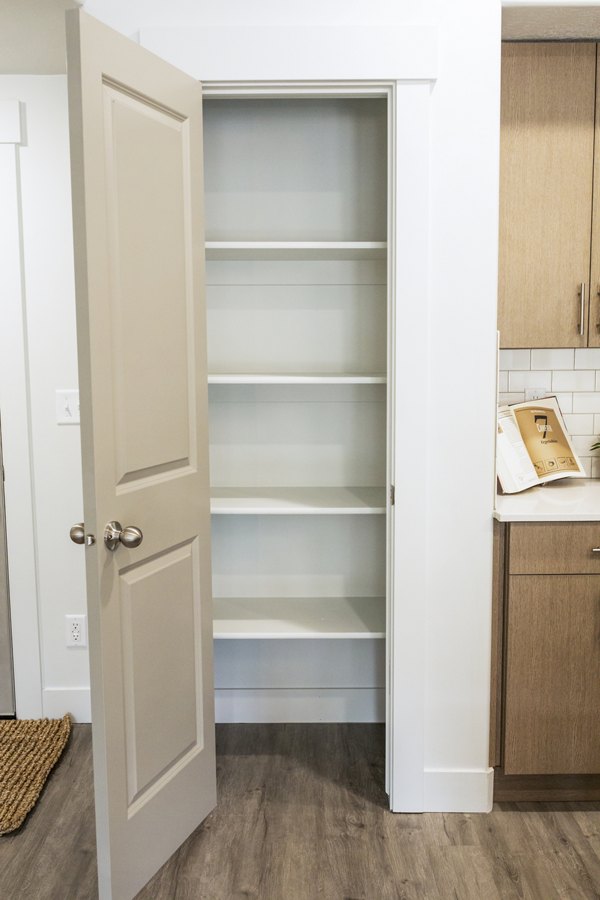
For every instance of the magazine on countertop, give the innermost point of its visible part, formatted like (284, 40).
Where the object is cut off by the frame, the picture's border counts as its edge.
(533, 446)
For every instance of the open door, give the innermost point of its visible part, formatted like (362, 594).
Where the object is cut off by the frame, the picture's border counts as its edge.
(136, 156)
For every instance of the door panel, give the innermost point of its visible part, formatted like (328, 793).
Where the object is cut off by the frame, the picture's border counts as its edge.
(553, 675)
(546, 165)
(145, 217)
(594, 314)
(157, 616)
(137, 188)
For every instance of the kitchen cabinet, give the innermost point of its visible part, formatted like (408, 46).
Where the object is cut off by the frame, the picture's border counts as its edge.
(551, 660)
(549, 270)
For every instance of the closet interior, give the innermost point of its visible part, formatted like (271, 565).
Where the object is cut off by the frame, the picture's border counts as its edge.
(296, 199)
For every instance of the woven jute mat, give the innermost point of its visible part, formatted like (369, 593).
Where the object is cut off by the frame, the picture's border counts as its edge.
(29, 749)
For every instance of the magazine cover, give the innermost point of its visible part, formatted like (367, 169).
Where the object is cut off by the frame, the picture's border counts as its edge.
(533, 446)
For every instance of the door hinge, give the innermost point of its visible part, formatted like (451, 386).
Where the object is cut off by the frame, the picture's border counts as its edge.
(392, 495)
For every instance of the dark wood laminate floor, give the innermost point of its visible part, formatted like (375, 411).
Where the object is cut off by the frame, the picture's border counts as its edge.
(302, 815)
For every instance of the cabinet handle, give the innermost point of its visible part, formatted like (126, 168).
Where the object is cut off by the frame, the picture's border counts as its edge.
(598, 294)
(595, 549)
(581, 293)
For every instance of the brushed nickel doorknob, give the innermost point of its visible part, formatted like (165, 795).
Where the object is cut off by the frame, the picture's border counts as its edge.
(78, 535)
(115, 534)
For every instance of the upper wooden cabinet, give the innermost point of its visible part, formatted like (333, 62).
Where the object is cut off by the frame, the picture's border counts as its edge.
(549, 206)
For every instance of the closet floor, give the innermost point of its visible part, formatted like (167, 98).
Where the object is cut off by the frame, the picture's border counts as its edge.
(303, 815)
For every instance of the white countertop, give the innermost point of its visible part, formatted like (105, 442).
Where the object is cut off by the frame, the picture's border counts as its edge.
(568, 500)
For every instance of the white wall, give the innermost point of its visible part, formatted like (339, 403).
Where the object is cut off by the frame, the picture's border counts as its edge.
(456, 583)
(48, 317)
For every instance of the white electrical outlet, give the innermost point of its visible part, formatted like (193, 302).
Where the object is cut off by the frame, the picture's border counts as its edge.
(535, 393)
(76, 631)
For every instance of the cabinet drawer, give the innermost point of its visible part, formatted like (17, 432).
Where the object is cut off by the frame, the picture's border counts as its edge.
(554, 548)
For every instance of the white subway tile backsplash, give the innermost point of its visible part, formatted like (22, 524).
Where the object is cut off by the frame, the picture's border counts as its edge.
(553, 359)
(514, 397)
(502, 382)
(565, 402)
(579, 423)
(586, 402)
(519, 381)
(598, 381)
(587, 358)
(583, 380)
(586, 462)
(596, 467)
(582, 444)
(516, 359)
(596, 428)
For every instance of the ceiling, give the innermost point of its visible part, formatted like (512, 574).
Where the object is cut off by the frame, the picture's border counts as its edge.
(32, 36)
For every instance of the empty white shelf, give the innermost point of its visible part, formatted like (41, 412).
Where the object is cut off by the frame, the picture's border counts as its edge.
(264, 501)
(310, 617)
(296, 249)
(296, 379)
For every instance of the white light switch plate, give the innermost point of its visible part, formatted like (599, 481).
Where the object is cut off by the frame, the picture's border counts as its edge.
(67, 407)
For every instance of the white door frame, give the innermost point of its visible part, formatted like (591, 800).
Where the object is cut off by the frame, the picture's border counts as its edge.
(408, 262)
(404, 60)
(408, 339)
(15, 410)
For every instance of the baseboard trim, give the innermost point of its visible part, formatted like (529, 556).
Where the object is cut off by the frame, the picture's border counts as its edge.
(451, 790)
(59, 701)
(269, 705)
(253, 705)
(562, 788)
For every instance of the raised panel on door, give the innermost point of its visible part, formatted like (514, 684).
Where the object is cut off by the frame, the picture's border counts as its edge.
(552, 700)
(137, 187)
(546, 167)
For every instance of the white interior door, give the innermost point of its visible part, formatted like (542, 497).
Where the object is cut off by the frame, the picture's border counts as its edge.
(136, 146)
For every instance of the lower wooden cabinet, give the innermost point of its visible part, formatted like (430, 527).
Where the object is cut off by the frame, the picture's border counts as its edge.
(552, 694)
(546, 677)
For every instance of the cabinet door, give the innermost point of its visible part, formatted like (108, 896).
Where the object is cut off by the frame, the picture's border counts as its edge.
(594, 306)
(552, 711)
(546, 165)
